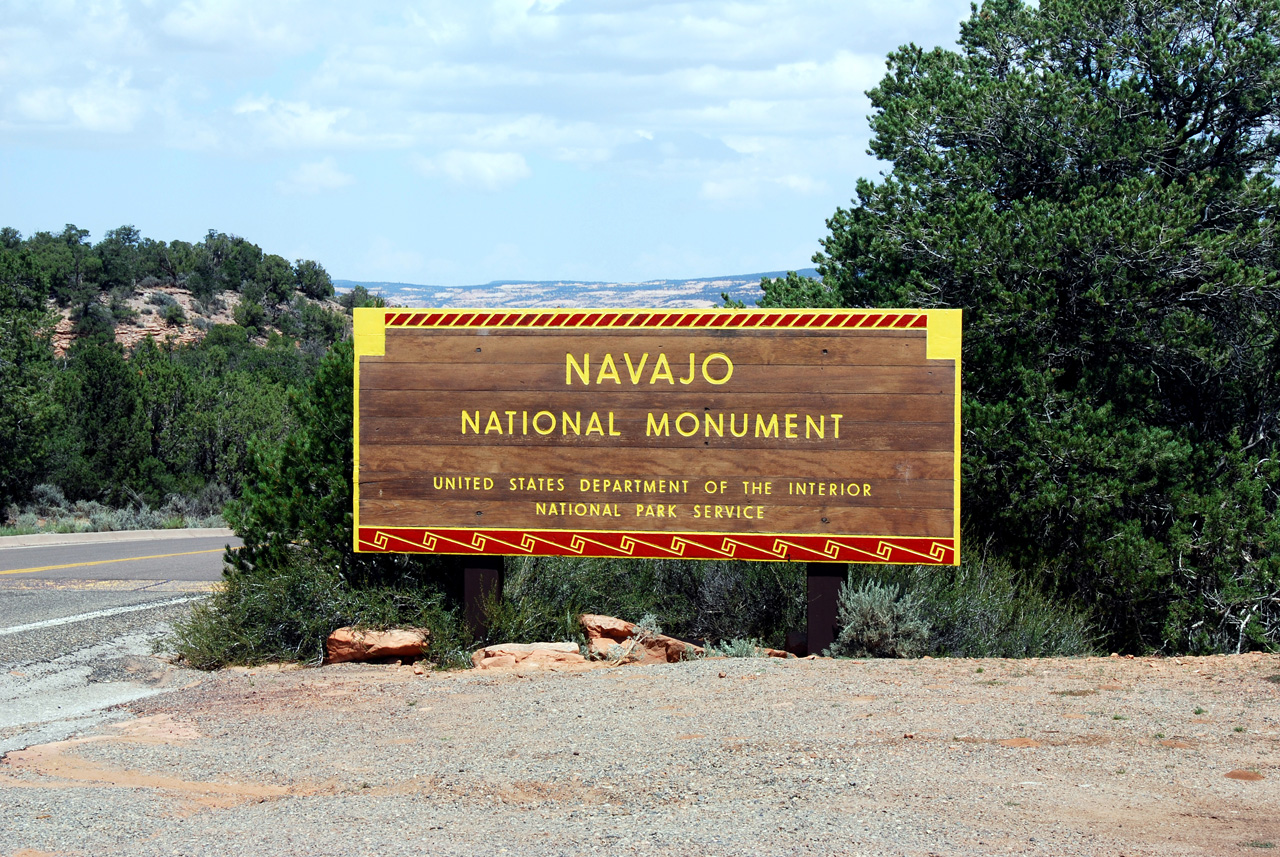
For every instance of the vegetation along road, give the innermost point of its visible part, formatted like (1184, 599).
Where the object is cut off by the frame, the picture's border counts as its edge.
(78, 614)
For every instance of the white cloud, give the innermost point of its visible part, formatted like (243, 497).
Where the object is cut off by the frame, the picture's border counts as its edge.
(105, 103)
(315, 177)
(298, 125)
(239, 26)
(749, 186)
(484, 170)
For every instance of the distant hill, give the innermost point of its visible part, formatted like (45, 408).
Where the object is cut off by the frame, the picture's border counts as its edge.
(698, 292)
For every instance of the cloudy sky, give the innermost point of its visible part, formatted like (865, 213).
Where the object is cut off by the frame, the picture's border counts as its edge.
(455, 141)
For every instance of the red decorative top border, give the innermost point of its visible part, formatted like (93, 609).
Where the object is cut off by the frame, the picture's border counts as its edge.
(775, 548)
(653, 319)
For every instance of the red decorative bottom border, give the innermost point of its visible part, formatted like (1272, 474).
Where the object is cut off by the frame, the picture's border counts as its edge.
(763, 548)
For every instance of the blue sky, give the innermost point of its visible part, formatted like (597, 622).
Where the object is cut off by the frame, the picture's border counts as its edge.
(453, 142)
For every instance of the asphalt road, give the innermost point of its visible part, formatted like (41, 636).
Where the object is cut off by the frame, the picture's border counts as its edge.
(160, 557)
(78, 615)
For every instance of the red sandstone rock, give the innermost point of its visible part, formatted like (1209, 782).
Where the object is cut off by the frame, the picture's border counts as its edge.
(607, 627)
(348, 644)
(605, 632)
(549, 656)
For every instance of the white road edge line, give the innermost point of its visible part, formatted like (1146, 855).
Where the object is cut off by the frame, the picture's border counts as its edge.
(97, 614)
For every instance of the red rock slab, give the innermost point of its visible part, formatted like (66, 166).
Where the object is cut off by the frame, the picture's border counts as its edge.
(349, 644)
(528, 655)
(606, 626)
(605, 632)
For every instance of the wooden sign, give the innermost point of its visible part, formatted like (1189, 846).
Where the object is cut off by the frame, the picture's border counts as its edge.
(802, 435)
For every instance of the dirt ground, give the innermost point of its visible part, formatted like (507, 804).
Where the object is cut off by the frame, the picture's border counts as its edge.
(1090, 756)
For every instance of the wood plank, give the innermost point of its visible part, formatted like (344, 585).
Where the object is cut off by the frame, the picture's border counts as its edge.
(774, 348)
(632, 426)
(776, 519)
(862, 407)
(655, 463)
(936, 378)
(881, 493)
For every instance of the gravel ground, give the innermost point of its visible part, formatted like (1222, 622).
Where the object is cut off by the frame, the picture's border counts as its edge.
(1095, 756)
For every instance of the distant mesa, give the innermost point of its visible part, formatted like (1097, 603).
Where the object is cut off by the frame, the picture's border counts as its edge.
(691, 293)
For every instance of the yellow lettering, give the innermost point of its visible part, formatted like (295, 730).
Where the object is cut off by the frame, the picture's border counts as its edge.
(790, 425)
(653, 428)
(835, 419)
(494, 423)
(473, 422)
(538, 428)
(680, 424)
(571, 367)
(662, 369)
(728, 373)
(510, 421)
(819, 427)
(689, 380)
(733, 425)
(718, 427)
(593, 424)
(608, 370)
(613, 433)
(634, 373)
(769, 429)
(565, 422)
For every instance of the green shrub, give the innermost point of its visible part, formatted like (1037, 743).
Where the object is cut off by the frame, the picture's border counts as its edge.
(285, 615)
(880, 620)
(738, 647)
(984, 608)
(691, 600)
(296, 578)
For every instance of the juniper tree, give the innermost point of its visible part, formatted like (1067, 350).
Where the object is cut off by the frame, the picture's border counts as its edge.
(1093, 182)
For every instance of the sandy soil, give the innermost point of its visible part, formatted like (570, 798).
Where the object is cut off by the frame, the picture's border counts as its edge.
(1089, 756)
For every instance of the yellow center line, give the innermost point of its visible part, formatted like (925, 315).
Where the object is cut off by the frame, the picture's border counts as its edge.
(105, 561)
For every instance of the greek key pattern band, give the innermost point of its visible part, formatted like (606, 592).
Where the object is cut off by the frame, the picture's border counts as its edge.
(794, 548)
